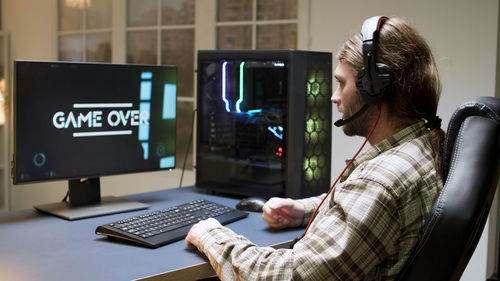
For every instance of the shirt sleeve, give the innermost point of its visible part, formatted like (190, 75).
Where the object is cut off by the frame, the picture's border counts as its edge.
(353, 232)
(310, 205)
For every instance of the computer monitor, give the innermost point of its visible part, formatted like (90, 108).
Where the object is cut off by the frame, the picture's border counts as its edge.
(80, 121)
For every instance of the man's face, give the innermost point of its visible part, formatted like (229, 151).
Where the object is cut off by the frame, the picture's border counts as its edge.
(349, 101)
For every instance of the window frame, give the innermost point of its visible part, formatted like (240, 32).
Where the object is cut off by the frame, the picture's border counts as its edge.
(205, 36)
(84, 31)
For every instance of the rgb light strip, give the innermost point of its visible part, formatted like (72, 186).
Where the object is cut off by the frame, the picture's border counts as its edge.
(224, 74)
(240, 100)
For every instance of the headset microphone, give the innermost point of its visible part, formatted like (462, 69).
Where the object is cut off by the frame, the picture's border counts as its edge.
(341, 122)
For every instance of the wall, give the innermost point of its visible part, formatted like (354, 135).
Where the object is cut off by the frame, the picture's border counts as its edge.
(33, 32)
(462, 34)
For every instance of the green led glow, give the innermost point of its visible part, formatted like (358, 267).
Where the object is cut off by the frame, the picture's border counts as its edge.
(314, 137)
(315, 88)
(311, 100)
(319, 125)
(310, 126)
(312, 77)
(307, 139)
(317, 174)
(313, 162)
(316, 128)
(309, 174)
(240, 100)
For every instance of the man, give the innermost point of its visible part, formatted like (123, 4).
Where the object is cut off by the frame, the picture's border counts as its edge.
(367, 226)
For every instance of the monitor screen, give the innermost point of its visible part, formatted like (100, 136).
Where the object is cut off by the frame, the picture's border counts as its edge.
(79, 120)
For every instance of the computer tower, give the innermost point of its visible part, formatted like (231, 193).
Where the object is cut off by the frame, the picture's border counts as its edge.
(264, 122)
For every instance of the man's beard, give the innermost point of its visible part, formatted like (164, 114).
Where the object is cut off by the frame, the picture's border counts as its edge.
(360, 126)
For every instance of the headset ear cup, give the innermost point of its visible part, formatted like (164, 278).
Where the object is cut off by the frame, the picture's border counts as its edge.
(374, 79)
(383, 81)
(373, 90)
(359, 79)
(362, 83)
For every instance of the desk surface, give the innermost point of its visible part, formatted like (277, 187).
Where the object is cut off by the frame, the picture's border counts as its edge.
(36, 246)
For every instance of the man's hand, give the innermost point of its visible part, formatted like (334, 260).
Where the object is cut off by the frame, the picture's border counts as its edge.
(280, 213)
(192, 238)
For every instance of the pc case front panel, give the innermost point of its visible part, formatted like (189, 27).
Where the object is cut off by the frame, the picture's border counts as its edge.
(309, 132)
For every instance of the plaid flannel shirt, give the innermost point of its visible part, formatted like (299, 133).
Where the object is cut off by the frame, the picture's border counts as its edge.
(364, 231)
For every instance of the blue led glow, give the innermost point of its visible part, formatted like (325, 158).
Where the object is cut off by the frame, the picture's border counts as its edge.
(254, 111)
(277, 131)
(144, 108)
(169, 102)
(146, 75)
(145, 146)
(145, 90)
(224, 74)
(167, 162)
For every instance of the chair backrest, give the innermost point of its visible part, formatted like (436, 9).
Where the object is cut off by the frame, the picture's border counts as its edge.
(471, 167)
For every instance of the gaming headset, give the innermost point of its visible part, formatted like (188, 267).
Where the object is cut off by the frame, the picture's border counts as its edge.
(374, 78)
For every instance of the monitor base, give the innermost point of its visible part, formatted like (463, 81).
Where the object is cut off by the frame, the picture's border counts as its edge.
(107, 206)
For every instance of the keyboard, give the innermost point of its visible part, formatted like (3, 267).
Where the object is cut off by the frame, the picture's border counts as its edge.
(158, 228)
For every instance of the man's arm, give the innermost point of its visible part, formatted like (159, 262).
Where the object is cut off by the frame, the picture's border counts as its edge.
(347, 239)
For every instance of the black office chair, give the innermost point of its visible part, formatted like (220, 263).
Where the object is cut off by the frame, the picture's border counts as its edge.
(471, 167)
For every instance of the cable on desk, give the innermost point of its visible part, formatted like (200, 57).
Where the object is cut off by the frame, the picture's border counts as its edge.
(188, 147)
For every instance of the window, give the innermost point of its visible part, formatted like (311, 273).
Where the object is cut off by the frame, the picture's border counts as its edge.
(165, 32)
(162, 32)
(257, 24)
(85, 30)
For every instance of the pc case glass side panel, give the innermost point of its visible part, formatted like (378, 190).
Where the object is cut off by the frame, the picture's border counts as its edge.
(243, 108)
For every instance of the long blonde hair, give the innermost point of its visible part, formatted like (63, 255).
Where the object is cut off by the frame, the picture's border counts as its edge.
(416, 86)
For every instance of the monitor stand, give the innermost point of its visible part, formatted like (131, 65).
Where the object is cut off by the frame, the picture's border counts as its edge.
(85, 201)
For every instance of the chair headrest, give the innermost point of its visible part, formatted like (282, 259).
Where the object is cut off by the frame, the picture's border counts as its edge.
(488, 107)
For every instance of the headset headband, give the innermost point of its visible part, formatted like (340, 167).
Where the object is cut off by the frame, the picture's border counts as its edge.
(374, 78)
(371, 27)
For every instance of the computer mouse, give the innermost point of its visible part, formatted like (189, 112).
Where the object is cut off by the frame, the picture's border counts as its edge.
(253, 204)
